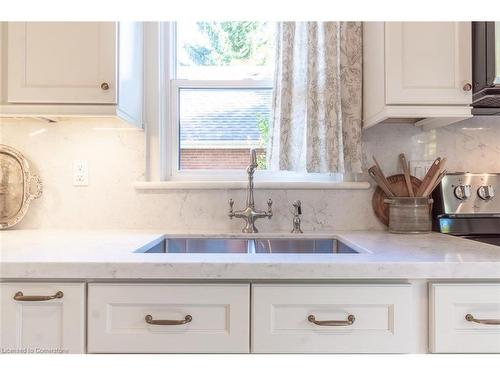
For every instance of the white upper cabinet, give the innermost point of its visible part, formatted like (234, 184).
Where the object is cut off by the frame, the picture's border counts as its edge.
(428, 63)
(419, 71)
(66, 69)
(62, 62)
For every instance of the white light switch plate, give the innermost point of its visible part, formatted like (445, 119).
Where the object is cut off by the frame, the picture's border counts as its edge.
(419, 168)
(80, 173)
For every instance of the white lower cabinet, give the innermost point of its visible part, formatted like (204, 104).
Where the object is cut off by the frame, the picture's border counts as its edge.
(319, 318)
(464, 318)
(168, 318)
(42, 317)
(49, 317)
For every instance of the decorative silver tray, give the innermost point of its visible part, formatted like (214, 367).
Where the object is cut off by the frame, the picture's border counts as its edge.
(18, 187)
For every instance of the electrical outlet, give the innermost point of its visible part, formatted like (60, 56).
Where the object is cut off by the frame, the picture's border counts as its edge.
(80, 173)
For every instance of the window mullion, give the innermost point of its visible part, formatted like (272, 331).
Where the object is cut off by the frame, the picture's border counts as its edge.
(222, 84)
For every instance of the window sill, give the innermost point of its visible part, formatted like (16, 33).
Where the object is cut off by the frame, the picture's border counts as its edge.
(274, 185)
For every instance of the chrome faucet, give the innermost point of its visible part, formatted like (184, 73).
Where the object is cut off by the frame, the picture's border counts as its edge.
(249, 214)
(297, 217)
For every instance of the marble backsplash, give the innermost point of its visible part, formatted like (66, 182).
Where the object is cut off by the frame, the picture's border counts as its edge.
(116, 158)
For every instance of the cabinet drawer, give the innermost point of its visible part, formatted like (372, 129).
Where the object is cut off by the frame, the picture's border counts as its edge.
(219, 318)
(451, 332)
(46, 318)
(380, 318)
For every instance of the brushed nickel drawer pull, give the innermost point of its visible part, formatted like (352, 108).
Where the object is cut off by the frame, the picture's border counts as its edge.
(470, 318)
(349, 322)
(149, 319)
(19, 296)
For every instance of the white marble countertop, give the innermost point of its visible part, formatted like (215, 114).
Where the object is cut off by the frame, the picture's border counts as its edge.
(79, 254)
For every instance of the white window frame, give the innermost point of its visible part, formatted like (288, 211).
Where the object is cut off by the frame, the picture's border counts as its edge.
(174, 86)
(169, 134)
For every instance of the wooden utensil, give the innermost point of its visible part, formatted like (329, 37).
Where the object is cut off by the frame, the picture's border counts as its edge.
(398, 185)
(382, 183)
(434, 185)
(431, 173)
(381, 175)
(435, 175)
(406, 172)
(430, 187)
(376, 163)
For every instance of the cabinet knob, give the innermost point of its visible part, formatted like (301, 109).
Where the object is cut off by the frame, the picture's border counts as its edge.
(467, 87)
(105, 86)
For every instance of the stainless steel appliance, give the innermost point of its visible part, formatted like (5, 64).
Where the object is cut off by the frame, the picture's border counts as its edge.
(486, 68)
(467, 205)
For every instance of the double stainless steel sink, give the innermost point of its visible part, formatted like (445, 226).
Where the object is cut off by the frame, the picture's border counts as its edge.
(250, 246)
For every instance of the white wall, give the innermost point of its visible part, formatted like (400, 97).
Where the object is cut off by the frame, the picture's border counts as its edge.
(116, 156)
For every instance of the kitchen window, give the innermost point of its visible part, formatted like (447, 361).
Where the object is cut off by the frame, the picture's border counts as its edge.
(220, 96)
(216, 106)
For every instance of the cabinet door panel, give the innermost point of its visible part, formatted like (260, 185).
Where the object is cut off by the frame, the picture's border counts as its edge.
(381, 316)
(219, 318)
(428, 63)
(55, 325)
(451, 332)
(61, 62)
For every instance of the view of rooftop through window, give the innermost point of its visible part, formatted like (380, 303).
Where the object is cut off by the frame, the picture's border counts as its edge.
(232, 63)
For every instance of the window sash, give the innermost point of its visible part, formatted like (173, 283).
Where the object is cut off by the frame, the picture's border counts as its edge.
(174, 134)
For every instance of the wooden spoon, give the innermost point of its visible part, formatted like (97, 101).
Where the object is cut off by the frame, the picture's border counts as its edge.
(406, 172)
(430, 186)
(434, 183)
(430, 175)
(381, 176)
(384, 185)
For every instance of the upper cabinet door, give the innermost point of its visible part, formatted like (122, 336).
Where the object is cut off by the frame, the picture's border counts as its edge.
(428, 63)
(62, 62)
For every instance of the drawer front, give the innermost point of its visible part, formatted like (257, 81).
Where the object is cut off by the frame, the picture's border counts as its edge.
(379, 322)
(451, 332)
(219, 320)
(46, 318)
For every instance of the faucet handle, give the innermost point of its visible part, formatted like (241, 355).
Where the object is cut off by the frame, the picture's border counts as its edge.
(253, 157)
(231, 204)
(296, 217)
(269, 208)
(298, 207)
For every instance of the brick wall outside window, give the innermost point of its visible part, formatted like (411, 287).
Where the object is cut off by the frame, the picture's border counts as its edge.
(216, 158)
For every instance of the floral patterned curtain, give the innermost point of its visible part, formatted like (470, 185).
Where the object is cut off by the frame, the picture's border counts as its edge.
(316, 120)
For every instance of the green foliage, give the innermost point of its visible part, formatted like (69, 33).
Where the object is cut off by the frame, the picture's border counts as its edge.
(263, 125)
(229, 42)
